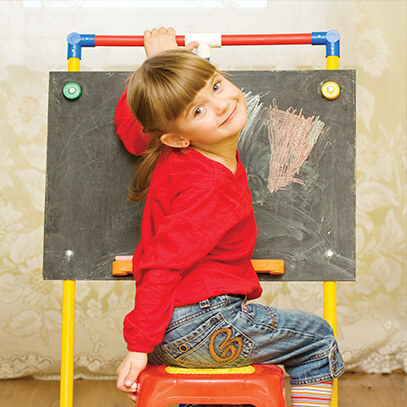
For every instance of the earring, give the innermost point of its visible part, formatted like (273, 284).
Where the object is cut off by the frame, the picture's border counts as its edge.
(185, 143)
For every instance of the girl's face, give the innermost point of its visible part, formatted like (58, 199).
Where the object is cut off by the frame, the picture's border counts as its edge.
(217, 114)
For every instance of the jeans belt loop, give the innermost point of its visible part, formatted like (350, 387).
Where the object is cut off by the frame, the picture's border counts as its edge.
(204, 304)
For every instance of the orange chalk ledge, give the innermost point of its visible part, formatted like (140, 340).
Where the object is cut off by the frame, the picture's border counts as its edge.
(122, 266)
(263, 387)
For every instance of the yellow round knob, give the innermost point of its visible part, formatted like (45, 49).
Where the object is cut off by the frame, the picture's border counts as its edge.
(330, 90)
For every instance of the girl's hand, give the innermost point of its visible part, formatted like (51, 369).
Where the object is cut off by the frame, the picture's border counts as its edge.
(161, 39)
(127, 373)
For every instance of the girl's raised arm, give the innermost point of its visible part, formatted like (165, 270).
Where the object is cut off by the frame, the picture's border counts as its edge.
(128, 128)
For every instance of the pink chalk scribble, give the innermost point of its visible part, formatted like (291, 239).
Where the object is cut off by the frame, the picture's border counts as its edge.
(292, 137)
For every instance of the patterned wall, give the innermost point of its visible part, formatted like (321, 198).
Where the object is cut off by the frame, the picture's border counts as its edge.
(372, 329)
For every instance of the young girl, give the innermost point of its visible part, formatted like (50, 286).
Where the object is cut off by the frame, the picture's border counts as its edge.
(192, 266)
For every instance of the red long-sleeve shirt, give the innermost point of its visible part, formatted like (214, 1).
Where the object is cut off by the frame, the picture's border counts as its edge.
(197, 237)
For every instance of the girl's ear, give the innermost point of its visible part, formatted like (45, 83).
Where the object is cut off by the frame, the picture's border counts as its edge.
(174, 140)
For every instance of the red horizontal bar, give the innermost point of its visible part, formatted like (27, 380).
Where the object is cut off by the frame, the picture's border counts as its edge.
(267, 39)
(127, 40)
(247, 39)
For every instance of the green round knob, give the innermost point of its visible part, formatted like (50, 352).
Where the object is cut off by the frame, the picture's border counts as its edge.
(72, 91)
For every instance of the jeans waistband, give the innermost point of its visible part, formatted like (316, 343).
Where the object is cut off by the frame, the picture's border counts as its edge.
(225, 298)
(217, 300)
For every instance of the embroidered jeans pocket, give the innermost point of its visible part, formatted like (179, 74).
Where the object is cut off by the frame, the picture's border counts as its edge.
(211, 343)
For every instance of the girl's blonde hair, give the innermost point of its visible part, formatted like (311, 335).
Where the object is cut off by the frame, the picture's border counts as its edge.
(158, 92)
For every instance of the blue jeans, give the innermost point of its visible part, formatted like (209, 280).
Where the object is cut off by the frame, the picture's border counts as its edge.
(224, 331)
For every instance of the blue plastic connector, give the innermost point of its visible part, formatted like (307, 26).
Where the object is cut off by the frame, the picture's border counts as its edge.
(77, 41)
(329, 38)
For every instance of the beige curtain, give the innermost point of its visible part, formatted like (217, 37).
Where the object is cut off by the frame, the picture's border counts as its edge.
(372, 326)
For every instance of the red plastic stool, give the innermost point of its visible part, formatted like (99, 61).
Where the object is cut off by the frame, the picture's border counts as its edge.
(259, 385)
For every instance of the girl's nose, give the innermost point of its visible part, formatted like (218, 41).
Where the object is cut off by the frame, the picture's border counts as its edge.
(221, 105)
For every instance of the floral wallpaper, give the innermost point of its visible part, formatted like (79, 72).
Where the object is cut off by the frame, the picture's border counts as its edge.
(372, 328)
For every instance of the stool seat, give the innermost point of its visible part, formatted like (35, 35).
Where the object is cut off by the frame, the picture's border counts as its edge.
(263, 387)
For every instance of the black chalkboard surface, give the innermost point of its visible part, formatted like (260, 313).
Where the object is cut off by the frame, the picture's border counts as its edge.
(298, 149)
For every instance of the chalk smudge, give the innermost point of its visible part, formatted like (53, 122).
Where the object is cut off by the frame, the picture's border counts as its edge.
(254, 147)
(255, 120)
(292, 137)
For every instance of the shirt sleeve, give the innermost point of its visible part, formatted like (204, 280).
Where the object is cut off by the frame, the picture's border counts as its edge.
(198, 220)
(128, 129)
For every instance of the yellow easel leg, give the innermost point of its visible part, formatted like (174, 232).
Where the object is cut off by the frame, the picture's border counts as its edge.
(74, 64)
(334, 400)
(68, 318)
(67, 344)
(330, 303)
(332, 62)
(330, 317)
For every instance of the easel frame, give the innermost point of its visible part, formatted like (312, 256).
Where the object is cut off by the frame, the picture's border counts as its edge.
(330, 39)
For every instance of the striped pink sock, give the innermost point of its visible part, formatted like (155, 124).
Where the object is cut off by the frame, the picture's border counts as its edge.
(311, 395)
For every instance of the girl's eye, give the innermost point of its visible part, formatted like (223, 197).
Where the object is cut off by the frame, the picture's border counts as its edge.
(216, 86)
(198, 111)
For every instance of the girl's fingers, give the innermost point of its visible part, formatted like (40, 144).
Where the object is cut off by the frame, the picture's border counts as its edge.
(192, 45)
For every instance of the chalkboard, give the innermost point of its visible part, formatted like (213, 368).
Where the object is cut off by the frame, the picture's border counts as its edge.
(298, 149)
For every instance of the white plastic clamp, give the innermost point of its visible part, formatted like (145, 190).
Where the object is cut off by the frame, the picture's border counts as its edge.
(206, 42)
